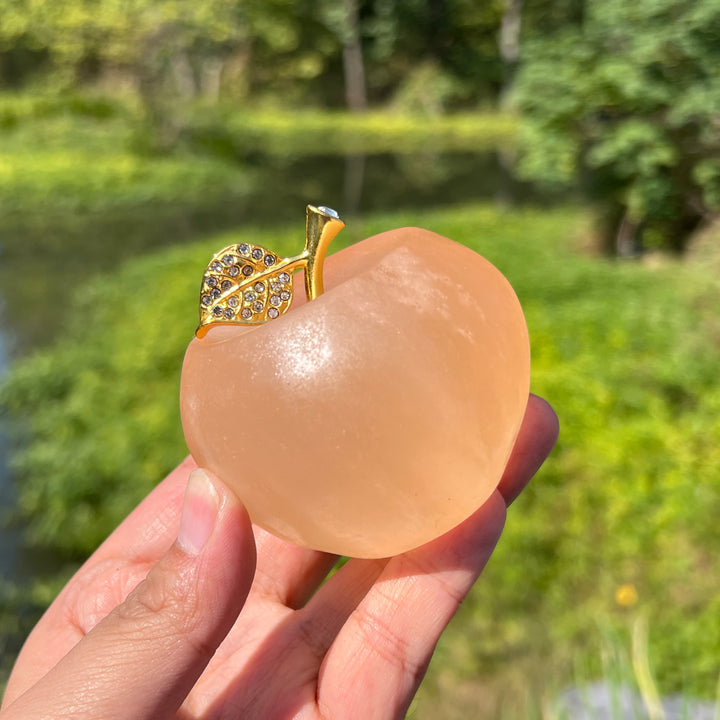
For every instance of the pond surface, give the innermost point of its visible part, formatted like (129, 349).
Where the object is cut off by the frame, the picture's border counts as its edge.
(46, 257)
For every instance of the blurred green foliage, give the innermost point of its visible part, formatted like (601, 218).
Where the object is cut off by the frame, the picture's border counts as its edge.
(627, 99)
(84, 124)
(627, 354)
(619, 98)
(74, 155)
(276, 132)
(237, 48)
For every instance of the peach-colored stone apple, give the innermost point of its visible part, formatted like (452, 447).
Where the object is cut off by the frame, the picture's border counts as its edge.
(377, 416)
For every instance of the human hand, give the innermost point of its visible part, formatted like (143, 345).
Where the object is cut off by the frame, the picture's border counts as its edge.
(207, 617)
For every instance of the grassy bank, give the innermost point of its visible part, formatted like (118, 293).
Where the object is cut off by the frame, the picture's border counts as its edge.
(287, 132)
(84, 153)
(619, 524)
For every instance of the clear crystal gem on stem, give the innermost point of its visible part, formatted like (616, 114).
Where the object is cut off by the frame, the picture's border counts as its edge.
(329, 211)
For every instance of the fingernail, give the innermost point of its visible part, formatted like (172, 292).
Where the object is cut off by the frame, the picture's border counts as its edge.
(200, 509)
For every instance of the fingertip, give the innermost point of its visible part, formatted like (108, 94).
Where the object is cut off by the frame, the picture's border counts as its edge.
(537, 436)
(546, 421)
(233, 520)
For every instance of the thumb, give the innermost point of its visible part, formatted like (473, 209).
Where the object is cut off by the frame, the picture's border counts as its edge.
(143, 659)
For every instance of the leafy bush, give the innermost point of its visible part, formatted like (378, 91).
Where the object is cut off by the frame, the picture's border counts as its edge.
(16, 109)
(627, 354)
(427, 90)
(626, 102)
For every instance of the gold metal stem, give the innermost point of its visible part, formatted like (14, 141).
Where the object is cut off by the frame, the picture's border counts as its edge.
(322, 225)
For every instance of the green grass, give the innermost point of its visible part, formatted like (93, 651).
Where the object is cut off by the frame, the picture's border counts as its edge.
(108, 138)
(627, 354)
(76, 154)
(315, 132)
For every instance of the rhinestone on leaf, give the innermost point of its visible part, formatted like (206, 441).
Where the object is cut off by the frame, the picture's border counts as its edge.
(217, 311)
(243, 248)
(246, 313)
(276, 287)
(234, 271)
(215, 294)
(211, 281)
(283, 277)
(285, 295)
(257, 253)
(206, 300)
(229, 313)
(233, 301)
(216, 266)
(228, 259)
(258, 306)
(273, 313)
(226, 285)
(259, 287)
(269, 260)
(275, 300)
(249, 296)
(247, 270)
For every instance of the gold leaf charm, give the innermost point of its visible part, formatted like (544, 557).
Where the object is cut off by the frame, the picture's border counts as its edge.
(243, 284)
(249, 284)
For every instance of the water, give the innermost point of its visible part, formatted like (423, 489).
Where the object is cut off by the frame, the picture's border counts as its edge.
(45, 260)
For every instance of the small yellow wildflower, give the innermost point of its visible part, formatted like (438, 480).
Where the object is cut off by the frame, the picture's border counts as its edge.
(626, 595)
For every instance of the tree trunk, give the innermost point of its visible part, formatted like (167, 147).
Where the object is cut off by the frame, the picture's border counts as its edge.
(183, 75)
(211, 74)
(509, 43)
(353, 64)
(627, 240)
(237, 72)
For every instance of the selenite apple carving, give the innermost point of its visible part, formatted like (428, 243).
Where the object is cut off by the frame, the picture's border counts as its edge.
(375, 417)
